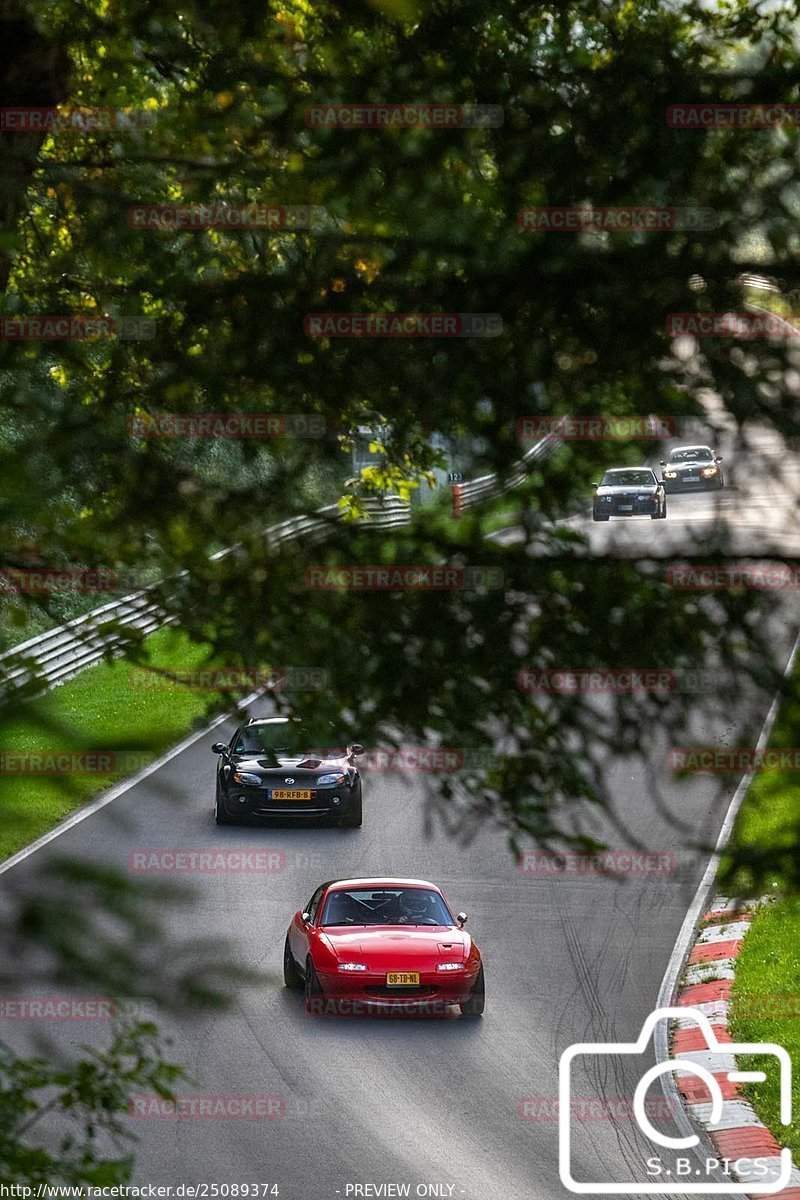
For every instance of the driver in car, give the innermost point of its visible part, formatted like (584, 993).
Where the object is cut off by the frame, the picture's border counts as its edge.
(415, 908)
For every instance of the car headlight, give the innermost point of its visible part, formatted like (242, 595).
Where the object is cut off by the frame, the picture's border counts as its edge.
(709, 471)
(644, 497)
(246, 777)
(670, 474)
(605, 499)
(450, 967)
(352, 967)
(330, 780)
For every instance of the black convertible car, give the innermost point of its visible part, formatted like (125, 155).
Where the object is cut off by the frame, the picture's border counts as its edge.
(692, 468)
(628, 492)
(270, 769)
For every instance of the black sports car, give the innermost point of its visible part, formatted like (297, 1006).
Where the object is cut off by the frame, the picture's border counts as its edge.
(269, 769)
(692, 468)
(628, 491)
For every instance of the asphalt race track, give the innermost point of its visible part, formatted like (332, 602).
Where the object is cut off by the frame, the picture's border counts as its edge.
(424, 1102)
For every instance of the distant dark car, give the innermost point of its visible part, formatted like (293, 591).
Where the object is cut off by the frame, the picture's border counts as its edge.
(270, 768)
(628, 492)
(692, 468)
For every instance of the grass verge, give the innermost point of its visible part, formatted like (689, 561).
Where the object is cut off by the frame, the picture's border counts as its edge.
(765, 1002)
(101, 710)
(766, 1008)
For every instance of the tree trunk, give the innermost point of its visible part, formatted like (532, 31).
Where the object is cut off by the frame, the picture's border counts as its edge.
(34, 71)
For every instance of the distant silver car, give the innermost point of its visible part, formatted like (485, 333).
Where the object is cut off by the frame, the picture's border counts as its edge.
(629, 492)
(692, 469)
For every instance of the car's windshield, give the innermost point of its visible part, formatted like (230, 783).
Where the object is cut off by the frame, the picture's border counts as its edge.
(290, 738)
(385, 906)
(630, 478)
(691, 454)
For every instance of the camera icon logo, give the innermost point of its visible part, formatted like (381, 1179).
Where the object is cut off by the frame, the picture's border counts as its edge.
(677, 1182)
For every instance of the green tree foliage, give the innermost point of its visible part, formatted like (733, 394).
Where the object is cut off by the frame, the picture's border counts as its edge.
(414, 219)
(88, 1099)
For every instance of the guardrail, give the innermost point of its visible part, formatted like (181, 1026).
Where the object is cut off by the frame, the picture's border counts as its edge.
(60, 653)
(488, 487)
(53, 657)
(759, 283)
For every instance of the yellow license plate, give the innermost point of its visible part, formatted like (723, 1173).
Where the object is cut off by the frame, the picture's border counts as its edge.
(282, 794)
(402, 978)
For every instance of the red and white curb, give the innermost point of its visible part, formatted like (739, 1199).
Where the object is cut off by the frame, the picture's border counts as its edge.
(706, 986)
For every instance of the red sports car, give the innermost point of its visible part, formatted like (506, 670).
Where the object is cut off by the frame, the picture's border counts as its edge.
(373, 945)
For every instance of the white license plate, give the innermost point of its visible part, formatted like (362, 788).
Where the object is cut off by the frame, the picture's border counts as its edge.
(691, 478)
(625, 507)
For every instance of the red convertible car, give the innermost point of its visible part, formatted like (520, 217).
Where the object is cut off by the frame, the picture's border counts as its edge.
(378, 945)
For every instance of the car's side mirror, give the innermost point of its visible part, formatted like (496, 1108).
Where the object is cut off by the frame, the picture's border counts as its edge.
(662, 462)
(305, 918)
(462, 919)
(595, 485)
(356, 748)
(219, 747)
(718, 458)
